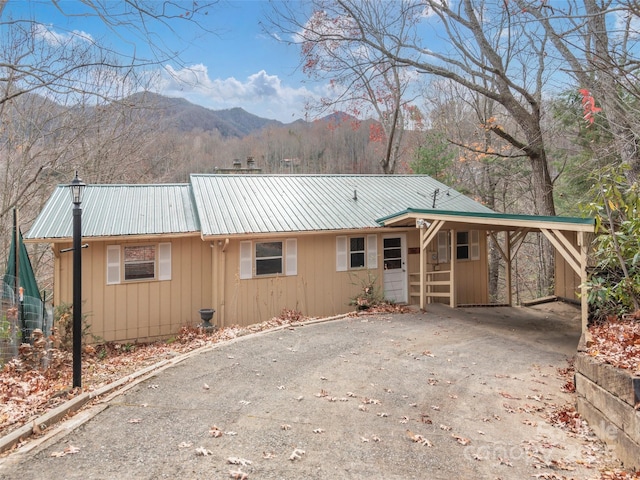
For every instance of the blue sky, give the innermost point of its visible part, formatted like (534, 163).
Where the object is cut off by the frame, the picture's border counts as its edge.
(239, 65)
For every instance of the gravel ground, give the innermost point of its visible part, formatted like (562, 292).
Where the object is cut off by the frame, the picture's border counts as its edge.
(443, 394)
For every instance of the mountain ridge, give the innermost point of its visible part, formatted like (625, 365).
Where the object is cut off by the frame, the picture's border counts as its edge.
(185, 116)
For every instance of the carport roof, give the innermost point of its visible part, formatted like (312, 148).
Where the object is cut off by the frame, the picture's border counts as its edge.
(490, 220)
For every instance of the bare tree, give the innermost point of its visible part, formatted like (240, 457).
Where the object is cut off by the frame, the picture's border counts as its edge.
(362, 83)
(74, 69)
(479, 45)
(597, 41)
(62, 92)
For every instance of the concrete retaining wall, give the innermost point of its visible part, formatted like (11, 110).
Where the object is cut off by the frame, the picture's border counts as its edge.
(606, 397)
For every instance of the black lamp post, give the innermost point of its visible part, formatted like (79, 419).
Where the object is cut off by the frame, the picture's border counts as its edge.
(77, 186)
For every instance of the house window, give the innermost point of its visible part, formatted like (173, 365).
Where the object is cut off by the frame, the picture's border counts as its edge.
(139, 262)
(467, 246)
(268, 258)
(462, 245)
(356, 252)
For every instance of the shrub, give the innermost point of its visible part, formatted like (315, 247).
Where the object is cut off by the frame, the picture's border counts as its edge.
(614, 284)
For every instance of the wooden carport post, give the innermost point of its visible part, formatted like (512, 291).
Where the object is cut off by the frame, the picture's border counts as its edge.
(584, 303)
(428, 232)
(423, 266)
(577, 260)
(452, 274)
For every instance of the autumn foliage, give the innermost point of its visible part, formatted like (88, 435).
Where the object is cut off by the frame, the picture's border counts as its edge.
(588, 105)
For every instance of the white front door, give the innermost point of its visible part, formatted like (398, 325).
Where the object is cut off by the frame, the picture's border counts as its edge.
(394, 250)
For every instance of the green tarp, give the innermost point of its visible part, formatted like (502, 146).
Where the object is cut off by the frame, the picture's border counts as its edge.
(27, 278)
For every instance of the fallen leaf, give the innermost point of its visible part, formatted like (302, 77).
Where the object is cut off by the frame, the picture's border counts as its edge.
(238, 475)
(560, 464)
(509, 396)
(70, 450)
(285, 427)
(296, 455)
(135, 420)
(238, 461)
(215, 432)
(417, 438)
(36, 428)
(203, 452)
(461, 440)
(318, 430)
(205, 386)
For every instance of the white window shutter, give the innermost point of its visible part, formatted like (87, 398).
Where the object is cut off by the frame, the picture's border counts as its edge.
(113, 264)
(474, 245)
(341, 254)
(164, 261)
(246, 264)
(372, 251)
(291, 265)
(443, 247)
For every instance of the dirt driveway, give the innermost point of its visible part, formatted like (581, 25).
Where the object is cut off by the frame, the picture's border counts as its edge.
(446, 394)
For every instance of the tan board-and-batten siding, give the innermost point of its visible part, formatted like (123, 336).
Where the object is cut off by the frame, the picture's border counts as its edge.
(139, 310)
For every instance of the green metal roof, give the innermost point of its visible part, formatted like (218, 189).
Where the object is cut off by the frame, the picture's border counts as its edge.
(491, 216)
(227, 205)
(241, 204)
(115, 210)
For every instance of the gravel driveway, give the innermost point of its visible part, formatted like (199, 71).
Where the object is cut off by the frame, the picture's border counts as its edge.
(445, 394)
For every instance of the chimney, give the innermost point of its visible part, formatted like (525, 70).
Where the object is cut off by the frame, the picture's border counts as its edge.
(237, 164)
(250, 163)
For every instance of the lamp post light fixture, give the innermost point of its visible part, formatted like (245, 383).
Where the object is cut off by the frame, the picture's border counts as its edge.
(77, 187)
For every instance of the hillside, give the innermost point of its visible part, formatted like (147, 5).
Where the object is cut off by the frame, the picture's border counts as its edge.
(181, 115)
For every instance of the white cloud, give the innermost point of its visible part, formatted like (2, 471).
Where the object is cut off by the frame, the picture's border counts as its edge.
(50, 36)
(260, 93)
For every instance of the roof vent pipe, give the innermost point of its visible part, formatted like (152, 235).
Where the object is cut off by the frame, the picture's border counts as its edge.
(355, 194)
(250, 162)
(237, 163)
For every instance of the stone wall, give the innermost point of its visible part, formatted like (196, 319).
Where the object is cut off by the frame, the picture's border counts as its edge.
(606, 397)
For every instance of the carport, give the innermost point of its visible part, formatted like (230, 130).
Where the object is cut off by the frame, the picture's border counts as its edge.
(570, 236)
